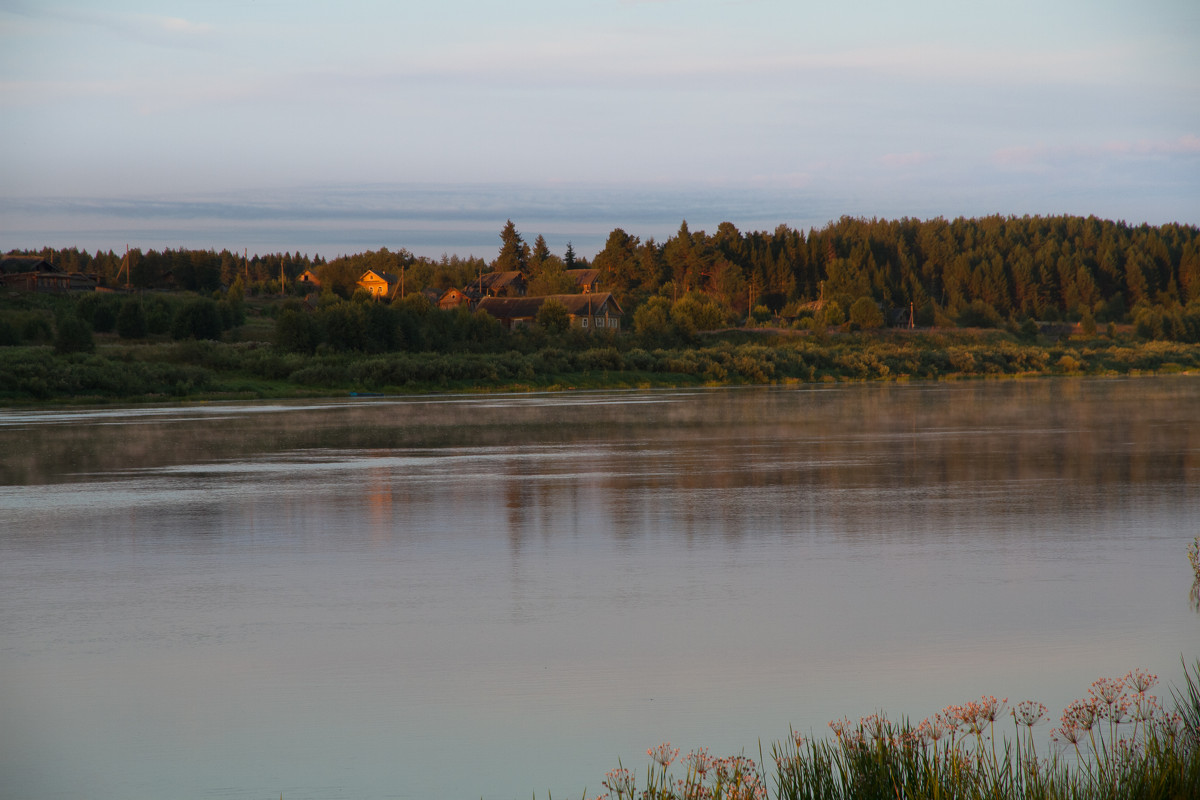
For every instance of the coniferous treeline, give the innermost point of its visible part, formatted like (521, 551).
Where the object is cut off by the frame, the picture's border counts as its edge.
(965, 271)
(1046, 268)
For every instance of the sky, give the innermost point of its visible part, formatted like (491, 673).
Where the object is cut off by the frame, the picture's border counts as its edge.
(338, 127)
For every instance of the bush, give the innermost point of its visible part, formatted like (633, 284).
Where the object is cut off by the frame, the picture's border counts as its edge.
(9, 335)
(344, 329)
(131, 320)
(104, 319)
(831, 314)
(1028, 332)
(297, 332)
(693, 313)
(979, 315)
(865, 314)
(197, 319)
(652, 319)
(73, 336)
(158, 314)
(553, 316)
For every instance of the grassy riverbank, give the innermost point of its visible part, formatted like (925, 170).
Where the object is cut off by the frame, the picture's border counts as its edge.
(1117, 743)
(164, 370)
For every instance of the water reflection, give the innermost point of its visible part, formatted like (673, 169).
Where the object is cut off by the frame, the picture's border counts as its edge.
(344, 598)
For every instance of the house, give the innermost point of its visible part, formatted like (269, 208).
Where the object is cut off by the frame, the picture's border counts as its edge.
(309, 280)
(588, 280)
(592, 312)
(499, 284)
(453, 298)
(380, 284)
(35, 274)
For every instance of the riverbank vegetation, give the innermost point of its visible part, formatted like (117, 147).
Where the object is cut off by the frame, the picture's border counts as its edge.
(1117, 743)
(856, 300)
(170, 370)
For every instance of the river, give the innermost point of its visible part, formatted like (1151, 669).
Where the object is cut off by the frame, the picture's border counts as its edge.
(500, 595)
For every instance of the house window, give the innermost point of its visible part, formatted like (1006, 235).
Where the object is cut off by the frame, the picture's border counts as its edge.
(583, 322)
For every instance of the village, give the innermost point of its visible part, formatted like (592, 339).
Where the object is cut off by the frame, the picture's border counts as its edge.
(503, 295)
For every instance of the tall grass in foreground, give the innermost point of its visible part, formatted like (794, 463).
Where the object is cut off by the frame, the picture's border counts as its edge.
(1116, 743)
(1194, 558)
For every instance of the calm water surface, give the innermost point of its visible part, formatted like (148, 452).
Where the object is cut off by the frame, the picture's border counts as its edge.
(491, 596)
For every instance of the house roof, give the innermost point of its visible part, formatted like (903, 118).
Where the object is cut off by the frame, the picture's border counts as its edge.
(16, 264)
(371, 274)
(582, 276)
(578, 305)
(498, 280)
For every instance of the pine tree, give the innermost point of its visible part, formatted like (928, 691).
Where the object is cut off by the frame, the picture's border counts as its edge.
(514, 253)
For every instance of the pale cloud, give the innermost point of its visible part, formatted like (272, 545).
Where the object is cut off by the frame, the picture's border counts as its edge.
(901, 160)
(178, 25)
(1183, 146)
(1023, 157)
(1041, 157)
(146, 27)
(651, 56)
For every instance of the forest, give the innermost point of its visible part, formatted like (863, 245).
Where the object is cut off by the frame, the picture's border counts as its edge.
(857, 299)
(970, 272)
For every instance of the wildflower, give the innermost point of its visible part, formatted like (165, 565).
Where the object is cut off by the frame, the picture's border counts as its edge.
(841, 727)
(700, 762)
(1145, 707)
(1029, 713)
(1081, 714)
(736, 769)
(962, 715)
(664, 754)
(1067, 733)
(990, 708)
(875, 725)
(1107, 690)
(969, 717)
(1128, 750)
(1116, 712)
(1171, 723)
(620, 782)
(1140, 680)
(938, 727)
(739, 779)
(690, 790)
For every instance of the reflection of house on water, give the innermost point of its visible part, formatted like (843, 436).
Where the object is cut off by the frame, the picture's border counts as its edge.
(377, 490)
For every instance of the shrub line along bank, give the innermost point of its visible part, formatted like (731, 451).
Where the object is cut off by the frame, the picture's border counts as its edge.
(246, 370)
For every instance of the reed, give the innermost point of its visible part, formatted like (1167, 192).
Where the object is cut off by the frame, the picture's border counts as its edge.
(1117, 742)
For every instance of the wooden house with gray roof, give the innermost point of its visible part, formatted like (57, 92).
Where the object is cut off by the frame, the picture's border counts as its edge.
(500, 284)
(36, 274)
(591, 312)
